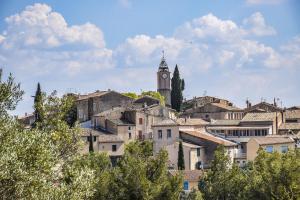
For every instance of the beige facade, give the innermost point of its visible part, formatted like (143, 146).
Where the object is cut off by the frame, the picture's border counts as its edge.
(270, 144)
(190, 178)
(102, 142)
(214, 111)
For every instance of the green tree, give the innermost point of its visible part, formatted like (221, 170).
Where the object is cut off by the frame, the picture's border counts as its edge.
(10, 94)
(223, 180)
(140, 175)
(275, 176)
(91, 146)
(32, 160)
(180, 162)
(131, 95)
(70, 109)
(177, 88)
(38, 105)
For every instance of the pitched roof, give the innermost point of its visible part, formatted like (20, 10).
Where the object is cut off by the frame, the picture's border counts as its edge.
(145, 97)
(190, 145)
(270, 116)
(165, 122)
(226, 107)
(102, 135)
(292, 114)
(273, 140)
(188, 175)
(93, 94)
(289, 126)
(207, 136)
(191, 121)
(258, 107)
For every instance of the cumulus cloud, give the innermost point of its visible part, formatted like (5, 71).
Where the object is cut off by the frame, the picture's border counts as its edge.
(203, 43)
(38, 44)
(38, 26)
(43, 41)
(256, 25)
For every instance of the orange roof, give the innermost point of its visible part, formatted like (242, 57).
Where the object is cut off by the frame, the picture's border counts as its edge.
(210, 137)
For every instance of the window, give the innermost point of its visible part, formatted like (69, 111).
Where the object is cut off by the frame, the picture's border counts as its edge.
(150, 135)
(186, 185)
(140, 135)
(94, 106)
(129, 135)
(94, 138)
(159, 134)
(169, 133)
(114, 147)
(284, 149)
(198, 152)
(129, 127)
(140, 120)
(269, 149)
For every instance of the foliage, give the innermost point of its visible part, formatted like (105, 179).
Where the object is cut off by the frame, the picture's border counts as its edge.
(91, 146)
(139, 175)
(131, 95)
(70, 109)
(180, 162)
(38, 105)
(31, 160)
(192, 195)
(270, 176)
(153, 94)
(275, 176)
(10, 94)
(178, 86)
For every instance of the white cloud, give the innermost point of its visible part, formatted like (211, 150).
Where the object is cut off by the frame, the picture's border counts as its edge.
(39, 40)
(212, 53)
(258, 2)
(39, 27)
(256, 25)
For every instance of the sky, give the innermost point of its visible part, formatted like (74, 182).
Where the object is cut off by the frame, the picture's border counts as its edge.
(233, 49)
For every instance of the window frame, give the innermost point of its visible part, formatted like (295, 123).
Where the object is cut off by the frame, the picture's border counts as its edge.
(159, 134)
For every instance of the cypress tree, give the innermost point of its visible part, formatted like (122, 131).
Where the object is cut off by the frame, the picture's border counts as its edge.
(38, 102)
(180, 162)
(177, 88)
(91, 147)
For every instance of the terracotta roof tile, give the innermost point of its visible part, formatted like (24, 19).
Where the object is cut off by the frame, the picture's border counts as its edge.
(210, 137)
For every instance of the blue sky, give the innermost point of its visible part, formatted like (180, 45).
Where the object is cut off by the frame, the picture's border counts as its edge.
(230, 49)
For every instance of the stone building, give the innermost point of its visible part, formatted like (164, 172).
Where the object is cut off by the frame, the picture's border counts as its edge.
(201, 101)
(269, 144)
(99, 101)
(211, 111)
(164, 81)
(262, 107)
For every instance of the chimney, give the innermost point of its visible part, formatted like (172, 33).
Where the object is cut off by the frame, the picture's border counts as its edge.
(26, 114)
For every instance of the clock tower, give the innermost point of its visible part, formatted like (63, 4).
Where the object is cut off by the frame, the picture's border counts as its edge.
(164, 81)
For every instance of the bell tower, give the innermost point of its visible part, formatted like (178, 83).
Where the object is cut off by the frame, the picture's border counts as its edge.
(164, 81)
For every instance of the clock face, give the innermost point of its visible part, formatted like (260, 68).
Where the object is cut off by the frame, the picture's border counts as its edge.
(165, 76)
